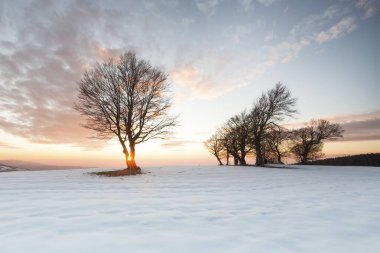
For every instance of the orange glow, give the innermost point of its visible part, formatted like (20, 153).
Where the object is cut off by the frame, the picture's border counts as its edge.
(340, 148)
(149, 154)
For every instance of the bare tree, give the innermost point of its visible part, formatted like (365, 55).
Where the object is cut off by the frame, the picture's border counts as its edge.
(225, 141)
(126, 98)
(226, 148)
(314, 152)
(215, 146)
(277, 144)
(234, 135)
(268, 111)
(230, 142)
(308, 140)
(239, 129)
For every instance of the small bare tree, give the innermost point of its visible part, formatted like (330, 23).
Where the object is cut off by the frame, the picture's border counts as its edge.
(126, 98)
(215, 146)
(268, 111)
(308, 140)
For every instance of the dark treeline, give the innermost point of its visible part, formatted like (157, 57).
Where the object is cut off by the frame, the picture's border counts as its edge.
(352, 160)
(258, 133)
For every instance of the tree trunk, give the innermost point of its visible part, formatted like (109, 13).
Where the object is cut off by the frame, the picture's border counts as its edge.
(132, 168)
(259, 155)
(242, 156)
(236, 161)
(279, 159)
(242, 160)
(132, 158)
(304, 159)
(305, 155)
(126, 154)
(127, 171)
(220, 162)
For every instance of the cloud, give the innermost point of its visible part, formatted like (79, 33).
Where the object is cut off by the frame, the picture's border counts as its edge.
(149, 4)
(46, 45)
(40, 68)
(171, 3)
(42, 59)
(177, 143)
(343, 27)
(313, 30)
(267, 2)
(355, 117)
(192, 78)
(357, 127)
(318, 21)
(7, 145)
(207, 6)
(370, 7)
(246, 4)
(237, 33)
(270, 36)
(334, 22)
(187, 21)
(249, 4)
(282, 52)
(362, 130)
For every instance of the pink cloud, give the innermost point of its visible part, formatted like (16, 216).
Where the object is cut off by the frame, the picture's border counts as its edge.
(357, 127)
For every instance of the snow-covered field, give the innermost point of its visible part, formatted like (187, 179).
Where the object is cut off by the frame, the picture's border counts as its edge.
(199, 209)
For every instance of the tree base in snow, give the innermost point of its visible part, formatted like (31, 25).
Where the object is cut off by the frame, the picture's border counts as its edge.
(120, 173)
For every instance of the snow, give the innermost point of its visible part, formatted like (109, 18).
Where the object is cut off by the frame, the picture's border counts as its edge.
(198, 209)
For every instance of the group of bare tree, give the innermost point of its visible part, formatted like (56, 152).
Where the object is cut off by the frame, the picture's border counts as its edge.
(258, 132)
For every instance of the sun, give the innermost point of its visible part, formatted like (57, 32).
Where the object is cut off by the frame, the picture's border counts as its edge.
(129, 158)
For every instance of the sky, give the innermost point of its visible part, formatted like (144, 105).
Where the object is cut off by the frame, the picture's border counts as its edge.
(220, 55)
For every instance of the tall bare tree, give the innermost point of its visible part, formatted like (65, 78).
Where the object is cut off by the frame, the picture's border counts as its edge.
(308, 140)
(128, 99)
(268, 111)
(277, 144)
(239, 129)
(215, 146)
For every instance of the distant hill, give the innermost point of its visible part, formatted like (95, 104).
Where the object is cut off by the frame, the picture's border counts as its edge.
(25, 165)
(352, 160)
(7, 168)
